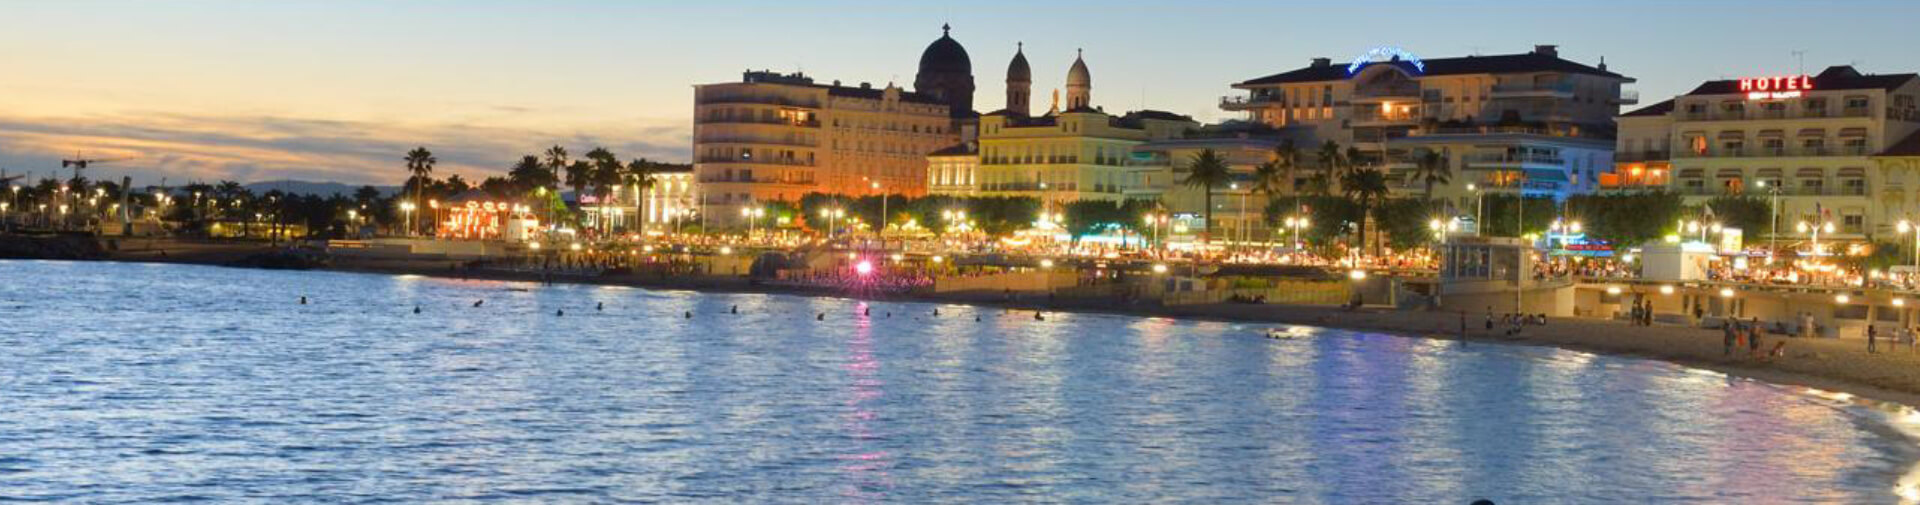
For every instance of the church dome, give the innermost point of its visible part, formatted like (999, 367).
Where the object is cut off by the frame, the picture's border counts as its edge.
(1078, 75)
(945, 56)
(1018, 71)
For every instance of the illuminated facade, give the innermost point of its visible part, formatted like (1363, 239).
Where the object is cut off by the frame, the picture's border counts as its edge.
(780, 136)
(1064, 155)
(1831, 141)
(1530, 122)
(1160, 167)
(954, 171)
(671, 200)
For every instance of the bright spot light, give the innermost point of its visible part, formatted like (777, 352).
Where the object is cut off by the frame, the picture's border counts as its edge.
(726, 250)
(1899, 302)
(1726, 292)
(897, 257)
(1159, 268)
(937, 259)
(1357, 274)
(1613, 290)
(1842, 298)
(863, 267)
(1046, 263)
(1666, 290)
(575, 246)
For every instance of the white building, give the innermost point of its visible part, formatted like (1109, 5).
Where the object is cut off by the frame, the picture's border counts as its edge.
(1531, 122)
(1809, 140)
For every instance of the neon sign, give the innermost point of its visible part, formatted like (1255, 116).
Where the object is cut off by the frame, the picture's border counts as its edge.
(1775, 88)
(1387, 52)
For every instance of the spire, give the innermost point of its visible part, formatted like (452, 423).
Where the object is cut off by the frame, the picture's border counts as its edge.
(1079, 83)
(1019, 82)
(944, 28)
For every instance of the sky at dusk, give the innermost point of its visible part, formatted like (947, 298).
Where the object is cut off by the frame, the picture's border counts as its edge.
(338, 90)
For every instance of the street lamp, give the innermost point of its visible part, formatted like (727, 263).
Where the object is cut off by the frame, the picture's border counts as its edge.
(1906, 227)
(408, 208)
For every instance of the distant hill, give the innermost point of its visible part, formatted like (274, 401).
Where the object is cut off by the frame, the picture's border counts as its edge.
(314, 188)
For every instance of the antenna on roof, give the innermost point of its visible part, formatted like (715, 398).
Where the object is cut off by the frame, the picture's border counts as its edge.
(1800, 59)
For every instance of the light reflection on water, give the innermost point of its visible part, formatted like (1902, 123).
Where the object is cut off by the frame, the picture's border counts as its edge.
(140, 384)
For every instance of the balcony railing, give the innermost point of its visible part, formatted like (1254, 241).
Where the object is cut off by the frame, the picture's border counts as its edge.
(744, 140)
(758, 100)
(1244, 101)
(1631, 156)
(792, 162)
(1399, 91)
(1530, 159)
(1776, 152)
(1531, 88)
(804, 181)
(811, 123)
(1791, 113)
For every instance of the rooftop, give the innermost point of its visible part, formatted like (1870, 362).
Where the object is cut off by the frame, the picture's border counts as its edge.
(1544, 59)
(1834, 77)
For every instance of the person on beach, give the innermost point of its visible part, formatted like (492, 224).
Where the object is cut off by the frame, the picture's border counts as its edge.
(1873, 335)
(1726, 340)
(1753, 339)
(1699, 313)
(1489, 319)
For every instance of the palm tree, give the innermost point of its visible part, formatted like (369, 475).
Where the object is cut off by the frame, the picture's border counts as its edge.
(1431, 168)
(640, 173)
(528, 174)
(605, 177)
(579, 175)
(1270, 179)
(419, 163)
(1366, 186)
(1208, 170)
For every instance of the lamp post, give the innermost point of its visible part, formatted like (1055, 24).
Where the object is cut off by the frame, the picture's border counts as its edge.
(1773, 217)
(408, 208)
(1906, 227)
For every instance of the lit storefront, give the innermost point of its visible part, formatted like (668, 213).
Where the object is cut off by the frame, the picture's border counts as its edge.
(483, 220)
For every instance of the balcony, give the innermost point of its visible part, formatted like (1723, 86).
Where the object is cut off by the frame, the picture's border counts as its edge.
(1639, 156)
(794, 180)
(1770, 114)
(1407, 91)
(1509, 160)
(1774, 152)
(791, 162)
(1627, 97)
(1244, 102)
(755, 141)
(811, 123)
(1530, 90)
(759, 100)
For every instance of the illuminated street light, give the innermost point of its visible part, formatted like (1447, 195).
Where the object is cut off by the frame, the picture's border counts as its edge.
(1666, 290)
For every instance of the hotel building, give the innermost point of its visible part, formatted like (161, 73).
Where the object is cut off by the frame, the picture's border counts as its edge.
(778, 136)
(1832, 141)
(1531, 122)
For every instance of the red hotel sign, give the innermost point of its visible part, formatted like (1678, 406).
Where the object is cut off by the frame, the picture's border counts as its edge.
(1790, 86)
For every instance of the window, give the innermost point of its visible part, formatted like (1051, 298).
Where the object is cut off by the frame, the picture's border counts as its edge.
(1853, 186)
(1852, 223)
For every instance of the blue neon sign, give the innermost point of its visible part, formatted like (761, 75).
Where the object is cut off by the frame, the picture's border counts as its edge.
(1386, 52)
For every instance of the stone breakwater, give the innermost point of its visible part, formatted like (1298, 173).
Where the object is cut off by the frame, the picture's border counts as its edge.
(51, 247)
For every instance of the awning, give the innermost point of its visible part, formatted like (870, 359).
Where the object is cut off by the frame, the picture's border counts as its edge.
(1813, 132)
(1852, 172)
(1810, 172)
(1691, 172)
(1727, 173)
(1772, 133)
(1733, 134)
(1853, 132)
(1768, 172)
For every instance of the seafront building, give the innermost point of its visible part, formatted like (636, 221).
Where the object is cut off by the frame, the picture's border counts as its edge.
(1531, 122)
(774, 136)
(1073, 151)
(1833, 148)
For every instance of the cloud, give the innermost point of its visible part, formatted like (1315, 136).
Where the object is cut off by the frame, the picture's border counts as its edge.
(255, 148)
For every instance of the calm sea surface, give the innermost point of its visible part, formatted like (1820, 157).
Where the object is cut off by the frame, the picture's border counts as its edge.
(130, 383)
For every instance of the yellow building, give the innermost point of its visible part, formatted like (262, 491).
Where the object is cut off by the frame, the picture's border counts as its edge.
(1160, 170)
(1063, 156)
(954, 171)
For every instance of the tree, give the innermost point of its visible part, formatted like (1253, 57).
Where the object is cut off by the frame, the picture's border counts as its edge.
(1751, 214)
(605, 177)
(1366, 186)
(579, 175)
(498, 187)
(420, 164)
(1625, 220)
(1090, 217)
(1431, 168)
(1207, 171)
(639, 172)
(1270, 179)
(528, 174)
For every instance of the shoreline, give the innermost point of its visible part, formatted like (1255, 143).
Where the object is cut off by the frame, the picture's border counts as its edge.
(1829, 365)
